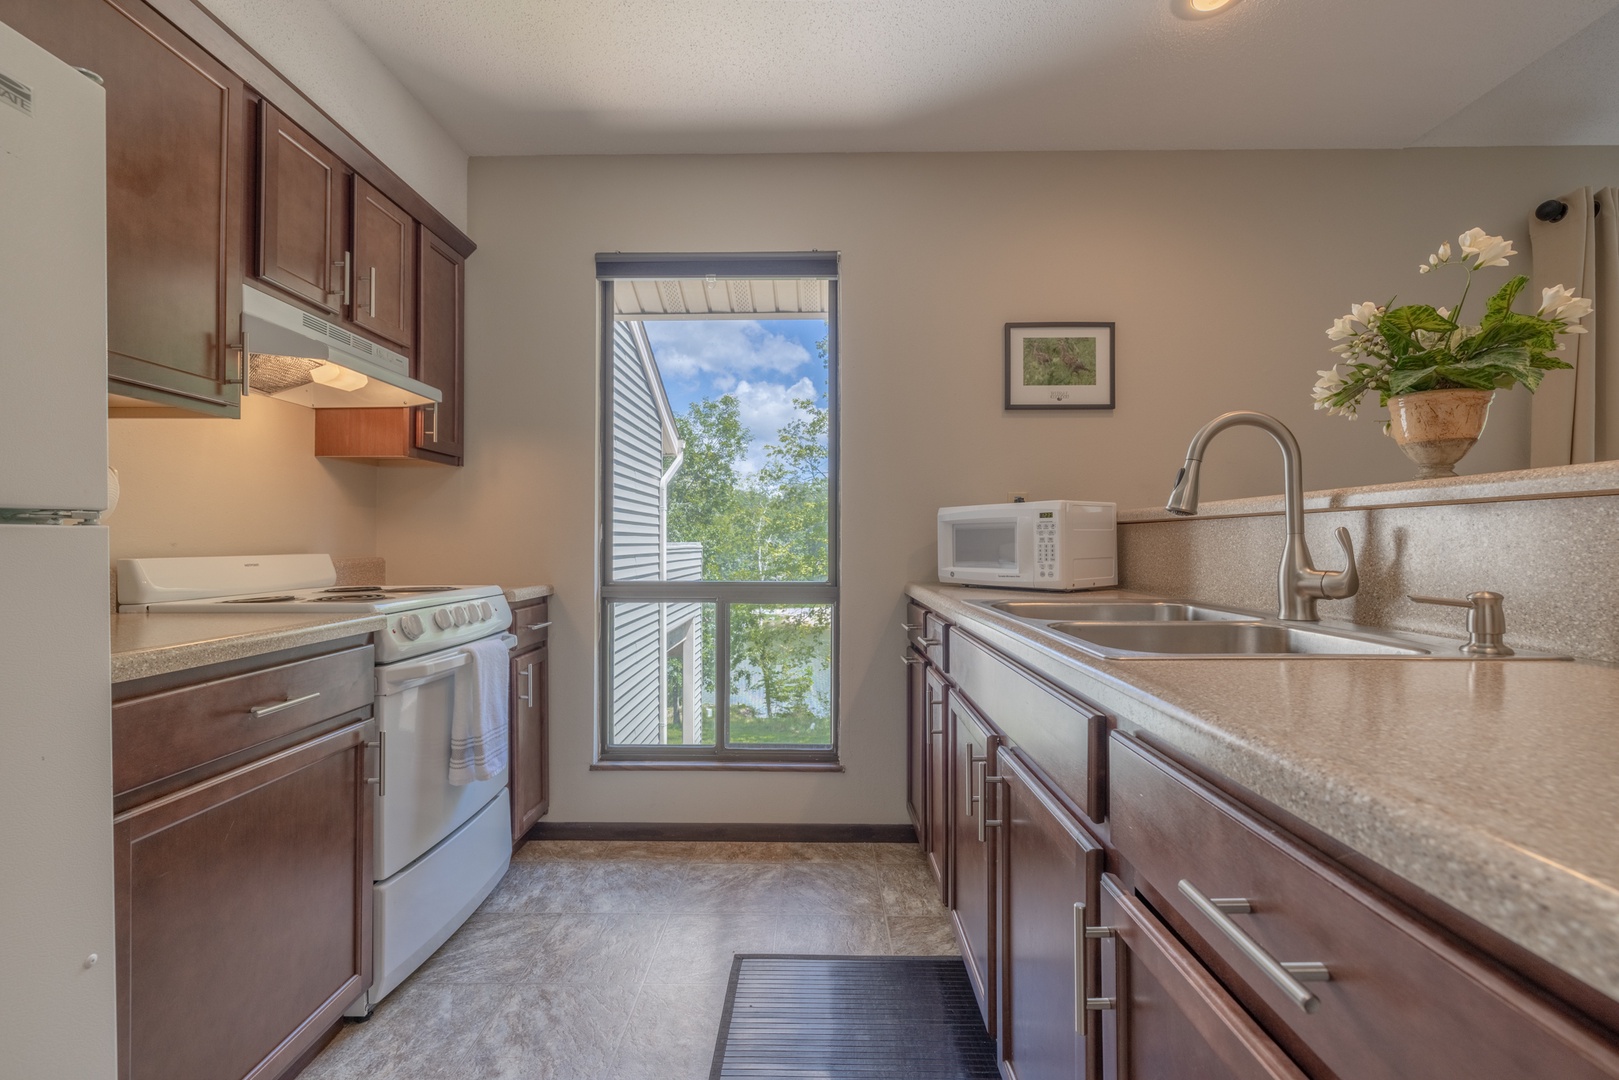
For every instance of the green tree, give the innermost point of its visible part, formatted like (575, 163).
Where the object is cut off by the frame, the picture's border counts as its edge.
(766, 526)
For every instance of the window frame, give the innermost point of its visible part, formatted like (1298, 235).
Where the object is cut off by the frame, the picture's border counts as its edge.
(720, 593)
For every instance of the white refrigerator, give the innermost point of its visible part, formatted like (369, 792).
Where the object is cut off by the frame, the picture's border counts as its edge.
(57, 969)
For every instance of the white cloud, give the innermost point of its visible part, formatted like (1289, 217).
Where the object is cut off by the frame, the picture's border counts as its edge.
(726, 347)
(763, 408)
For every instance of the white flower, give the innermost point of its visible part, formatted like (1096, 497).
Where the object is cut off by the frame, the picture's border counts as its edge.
(1559, 302)
(1342, 327)
(1423, 268)
(1366, 313)
(1444, 313)
(1444, 252)
(1487, 250)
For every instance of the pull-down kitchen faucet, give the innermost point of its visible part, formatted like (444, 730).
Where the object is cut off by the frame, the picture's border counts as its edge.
(1299, 584)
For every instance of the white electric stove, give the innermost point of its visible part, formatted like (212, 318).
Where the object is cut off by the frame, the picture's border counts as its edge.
(440, 849)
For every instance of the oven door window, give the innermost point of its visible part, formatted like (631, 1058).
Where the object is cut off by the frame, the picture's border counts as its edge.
(985, 545)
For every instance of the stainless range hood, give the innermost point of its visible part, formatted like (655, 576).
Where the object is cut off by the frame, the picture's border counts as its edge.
(299, 357)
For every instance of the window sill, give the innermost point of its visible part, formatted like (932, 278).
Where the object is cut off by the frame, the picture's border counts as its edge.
(718, 766)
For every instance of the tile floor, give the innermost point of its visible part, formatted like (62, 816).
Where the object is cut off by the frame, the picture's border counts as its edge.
(609, 961)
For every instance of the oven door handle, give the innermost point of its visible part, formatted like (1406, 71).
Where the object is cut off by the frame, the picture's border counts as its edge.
(397, 677)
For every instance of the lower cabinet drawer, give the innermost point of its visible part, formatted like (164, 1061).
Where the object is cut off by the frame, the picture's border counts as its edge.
(531, 625)
(1399, 1000)
(163, 734)
(1164, 1017)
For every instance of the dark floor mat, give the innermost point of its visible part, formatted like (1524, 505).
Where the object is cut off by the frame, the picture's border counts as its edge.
(852, 1018)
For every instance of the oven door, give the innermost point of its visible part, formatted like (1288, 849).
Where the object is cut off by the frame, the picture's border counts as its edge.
(417, 806)
(986, 548)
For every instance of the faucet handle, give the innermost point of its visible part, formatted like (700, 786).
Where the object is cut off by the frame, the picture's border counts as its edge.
(1342, 584)
(1486, 621)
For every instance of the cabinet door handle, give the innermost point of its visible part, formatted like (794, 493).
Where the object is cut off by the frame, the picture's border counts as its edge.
(1082, 977)
(912, 658)
(539, 625)
(373, 281)
(525, 692)
(261, 711)
(910, 627)
(348, 271)
(1289, 977)
(930, 642)
(973, 761)
(985, 822)
(381, 779)
(432, 432)
(243, 351)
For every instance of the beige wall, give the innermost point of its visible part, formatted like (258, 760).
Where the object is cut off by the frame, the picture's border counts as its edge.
(237, 487)
(1221, 270)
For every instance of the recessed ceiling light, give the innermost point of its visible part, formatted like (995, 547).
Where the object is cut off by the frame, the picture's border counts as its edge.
(1202, 9)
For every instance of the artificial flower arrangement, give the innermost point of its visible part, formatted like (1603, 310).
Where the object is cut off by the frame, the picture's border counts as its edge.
(1415, 347)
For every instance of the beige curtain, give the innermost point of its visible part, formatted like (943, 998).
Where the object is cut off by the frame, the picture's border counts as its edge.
(1575, 415)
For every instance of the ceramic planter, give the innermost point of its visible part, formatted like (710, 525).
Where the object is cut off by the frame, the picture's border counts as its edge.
(1436, 428)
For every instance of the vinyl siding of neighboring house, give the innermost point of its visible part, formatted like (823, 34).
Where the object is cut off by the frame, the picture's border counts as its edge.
(642, 634)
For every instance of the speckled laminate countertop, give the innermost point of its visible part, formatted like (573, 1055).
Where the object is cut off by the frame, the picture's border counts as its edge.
(1488, 784)
(144, 645)
(520, 594)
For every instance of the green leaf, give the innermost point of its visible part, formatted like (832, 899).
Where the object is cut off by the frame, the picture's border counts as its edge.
(1501, 303)
(1413, 317)
(1411, 380)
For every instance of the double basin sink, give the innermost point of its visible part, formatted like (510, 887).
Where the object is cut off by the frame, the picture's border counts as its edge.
(1117, 629)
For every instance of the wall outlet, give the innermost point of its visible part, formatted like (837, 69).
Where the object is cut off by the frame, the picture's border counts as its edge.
(1017, 496)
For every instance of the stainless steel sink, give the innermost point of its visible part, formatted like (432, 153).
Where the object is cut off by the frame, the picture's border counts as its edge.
(1112, 611)
(1229, 639)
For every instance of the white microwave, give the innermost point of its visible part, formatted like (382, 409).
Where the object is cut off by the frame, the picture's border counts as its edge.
(1030, 545)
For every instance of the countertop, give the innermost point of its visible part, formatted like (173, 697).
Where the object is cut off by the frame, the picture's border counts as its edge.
(1488, 784)
(522, 594)
(144, 645)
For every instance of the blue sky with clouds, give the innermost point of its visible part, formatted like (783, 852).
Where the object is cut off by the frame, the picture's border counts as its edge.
(766, 364)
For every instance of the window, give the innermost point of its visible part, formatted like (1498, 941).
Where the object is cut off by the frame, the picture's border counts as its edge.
(719, 531)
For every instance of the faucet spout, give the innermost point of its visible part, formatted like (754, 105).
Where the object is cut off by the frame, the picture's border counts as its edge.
(1299, 584)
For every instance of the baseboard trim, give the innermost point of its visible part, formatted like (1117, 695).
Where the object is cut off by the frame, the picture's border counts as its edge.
(722, 832)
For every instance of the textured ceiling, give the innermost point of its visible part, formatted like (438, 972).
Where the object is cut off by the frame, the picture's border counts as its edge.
(722, 76)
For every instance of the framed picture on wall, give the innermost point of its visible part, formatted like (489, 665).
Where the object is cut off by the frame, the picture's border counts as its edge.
(1059, 365)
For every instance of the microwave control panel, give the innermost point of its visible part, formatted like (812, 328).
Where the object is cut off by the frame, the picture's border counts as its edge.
(1045, 548)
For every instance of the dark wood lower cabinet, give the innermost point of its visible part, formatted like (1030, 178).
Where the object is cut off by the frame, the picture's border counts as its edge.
(1170, 1019)
(1049, 869)
(530, 764)
(937, 844)
(973, 827)
(916, 743)
(244, 913)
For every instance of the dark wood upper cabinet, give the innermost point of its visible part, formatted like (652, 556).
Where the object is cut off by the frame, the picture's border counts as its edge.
(303, 214)
(383, 299)
(441, 315)
(177, 195)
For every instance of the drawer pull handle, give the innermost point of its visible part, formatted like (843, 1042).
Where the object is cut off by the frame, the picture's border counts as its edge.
(1289, 977)
(911, 658)
(1082, 979)
(910, 627)
(261, 711)
(929, 642)
(539, 625)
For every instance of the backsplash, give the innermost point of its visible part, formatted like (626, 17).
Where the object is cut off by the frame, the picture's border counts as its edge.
(1546, 539)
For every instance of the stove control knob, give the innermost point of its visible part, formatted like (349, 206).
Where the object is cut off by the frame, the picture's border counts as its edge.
(485, 611)
(460, 614)
(443, 619)
(411, 626)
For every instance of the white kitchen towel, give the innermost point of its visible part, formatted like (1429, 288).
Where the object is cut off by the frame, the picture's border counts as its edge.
(478, 728)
